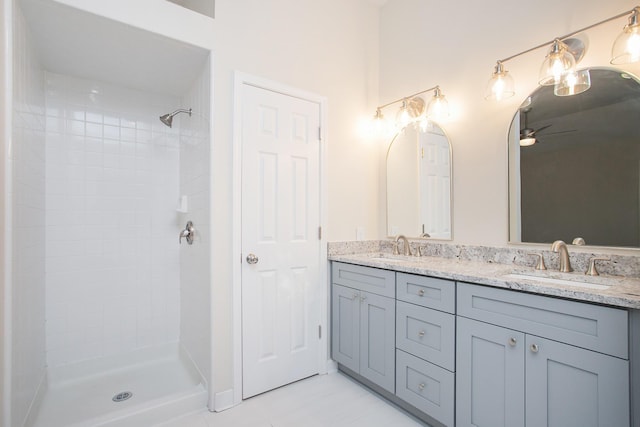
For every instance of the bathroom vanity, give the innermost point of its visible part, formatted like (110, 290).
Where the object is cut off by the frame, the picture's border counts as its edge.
(472, 344)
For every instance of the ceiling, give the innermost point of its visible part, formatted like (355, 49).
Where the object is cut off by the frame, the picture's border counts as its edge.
(77, 43)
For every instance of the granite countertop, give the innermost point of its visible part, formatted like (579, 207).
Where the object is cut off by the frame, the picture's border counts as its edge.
(621, 292)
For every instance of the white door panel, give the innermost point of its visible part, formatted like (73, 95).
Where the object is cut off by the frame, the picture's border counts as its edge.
(280, 220)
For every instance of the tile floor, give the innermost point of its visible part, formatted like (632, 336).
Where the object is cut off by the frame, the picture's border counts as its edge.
(328, 400)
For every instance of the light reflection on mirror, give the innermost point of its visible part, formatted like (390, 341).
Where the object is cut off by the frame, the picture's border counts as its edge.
(419, 171)
(581, 177)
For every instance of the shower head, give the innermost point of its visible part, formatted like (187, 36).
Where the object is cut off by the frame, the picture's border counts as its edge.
(167, 119)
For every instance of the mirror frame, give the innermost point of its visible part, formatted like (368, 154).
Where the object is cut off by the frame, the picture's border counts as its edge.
(451, 174)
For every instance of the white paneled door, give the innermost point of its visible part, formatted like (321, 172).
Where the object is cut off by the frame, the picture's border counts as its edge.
(280, 239)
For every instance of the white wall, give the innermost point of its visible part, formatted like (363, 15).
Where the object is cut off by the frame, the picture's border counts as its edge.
(429, 42)
(113, 281)
(195, 172)
(329, 48)
(27, 163)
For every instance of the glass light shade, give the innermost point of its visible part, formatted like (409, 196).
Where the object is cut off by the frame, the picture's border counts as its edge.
(528, 141)
(500, 85)
(403, 117)
(626, 48)
(438, 107)
(573, 83)
(556, 64)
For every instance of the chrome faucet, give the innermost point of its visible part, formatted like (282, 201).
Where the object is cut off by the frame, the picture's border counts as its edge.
(560, 248)
(406, 247)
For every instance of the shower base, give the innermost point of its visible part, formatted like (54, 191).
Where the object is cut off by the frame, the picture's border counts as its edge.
(133, 390)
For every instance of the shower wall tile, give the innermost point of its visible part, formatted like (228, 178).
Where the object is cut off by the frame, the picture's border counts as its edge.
(27, 201)
(112, 256)
(195, 176)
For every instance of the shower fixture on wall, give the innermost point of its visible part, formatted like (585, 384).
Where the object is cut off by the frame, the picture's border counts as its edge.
(167, 119)
(559, 66)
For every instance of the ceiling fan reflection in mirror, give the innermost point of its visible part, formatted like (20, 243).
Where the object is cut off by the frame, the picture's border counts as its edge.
(528, 135)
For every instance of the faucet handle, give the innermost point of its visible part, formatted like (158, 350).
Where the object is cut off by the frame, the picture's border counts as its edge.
(540, 264)
(396, 251)
(592, 271)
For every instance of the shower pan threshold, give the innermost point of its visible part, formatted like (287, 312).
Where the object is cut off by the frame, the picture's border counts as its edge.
(106, 392)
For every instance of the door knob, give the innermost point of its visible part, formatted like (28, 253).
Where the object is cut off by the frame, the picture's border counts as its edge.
(252, 259)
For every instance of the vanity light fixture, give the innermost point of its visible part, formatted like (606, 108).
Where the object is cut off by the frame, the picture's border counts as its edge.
(412, 110)
(558, 68)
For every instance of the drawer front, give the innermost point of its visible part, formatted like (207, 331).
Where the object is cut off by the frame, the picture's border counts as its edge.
(425, 386)
(428, 334)
(369, 279)
(598, 328)
(439, 294)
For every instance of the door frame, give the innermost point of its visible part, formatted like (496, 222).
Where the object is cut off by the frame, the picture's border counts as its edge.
(241, 79)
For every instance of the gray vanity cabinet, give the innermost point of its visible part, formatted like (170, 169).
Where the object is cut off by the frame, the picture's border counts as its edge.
(528, 360)
(363, 322)
(490, 375)
(425, 341)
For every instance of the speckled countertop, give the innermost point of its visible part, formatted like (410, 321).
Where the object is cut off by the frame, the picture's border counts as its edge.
(621, 292)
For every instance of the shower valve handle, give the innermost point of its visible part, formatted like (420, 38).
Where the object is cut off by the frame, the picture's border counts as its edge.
(188, 233)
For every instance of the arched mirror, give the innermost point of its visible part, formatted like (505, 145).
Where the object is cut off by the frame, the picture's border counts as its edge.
(581, 175)
(419, 171)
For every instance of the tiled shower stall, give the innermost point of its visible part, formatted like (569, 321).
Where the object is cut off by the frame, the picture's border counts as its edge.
(100, 190)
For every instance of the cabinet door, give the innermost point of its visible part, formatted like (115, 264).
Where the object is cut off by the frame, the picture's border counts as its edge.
(489, 375)
(569, 386)
(345, 326)
(377, 340)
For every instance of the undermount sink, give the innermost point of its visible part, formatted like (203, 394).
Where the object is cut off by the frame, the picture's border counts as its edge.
(556, 281)
(389, 258)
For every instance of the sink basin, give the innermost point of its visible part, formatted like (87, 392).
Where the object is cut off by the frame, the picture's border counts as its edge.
(555, 281)
(390, 258)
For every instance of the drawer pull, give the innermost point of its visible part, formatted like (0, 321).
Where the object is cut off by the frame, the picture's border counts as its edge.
(421, 334)
(421, 293)
(421, 386)
(512, 342)
(534, 348)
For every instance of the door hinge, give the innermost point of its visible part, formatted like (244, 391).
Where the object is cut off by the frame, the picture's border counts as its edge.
(319, 233)
(319, 332)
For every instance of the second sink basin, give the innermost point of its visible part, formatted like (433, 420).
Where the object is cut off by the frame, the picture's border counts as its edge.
(555, 281)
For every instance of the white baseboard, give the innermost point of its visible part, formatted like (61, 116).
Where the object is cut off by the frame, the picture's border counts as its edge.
(332, 367)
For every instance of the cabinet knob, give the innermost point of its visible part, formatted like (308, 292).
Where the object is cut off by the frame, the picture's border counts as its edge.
(421, 386)
(512, 342)
(421, 334)
(355, 295)
(421, 293)
(534, 348)
(363, 298)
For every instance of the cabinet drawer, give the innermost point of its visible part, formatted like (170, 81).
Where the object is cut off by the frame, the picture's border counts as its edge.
(426, 386)
(590, 326)
(428, 334)
(427, 291)
(370, 279)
